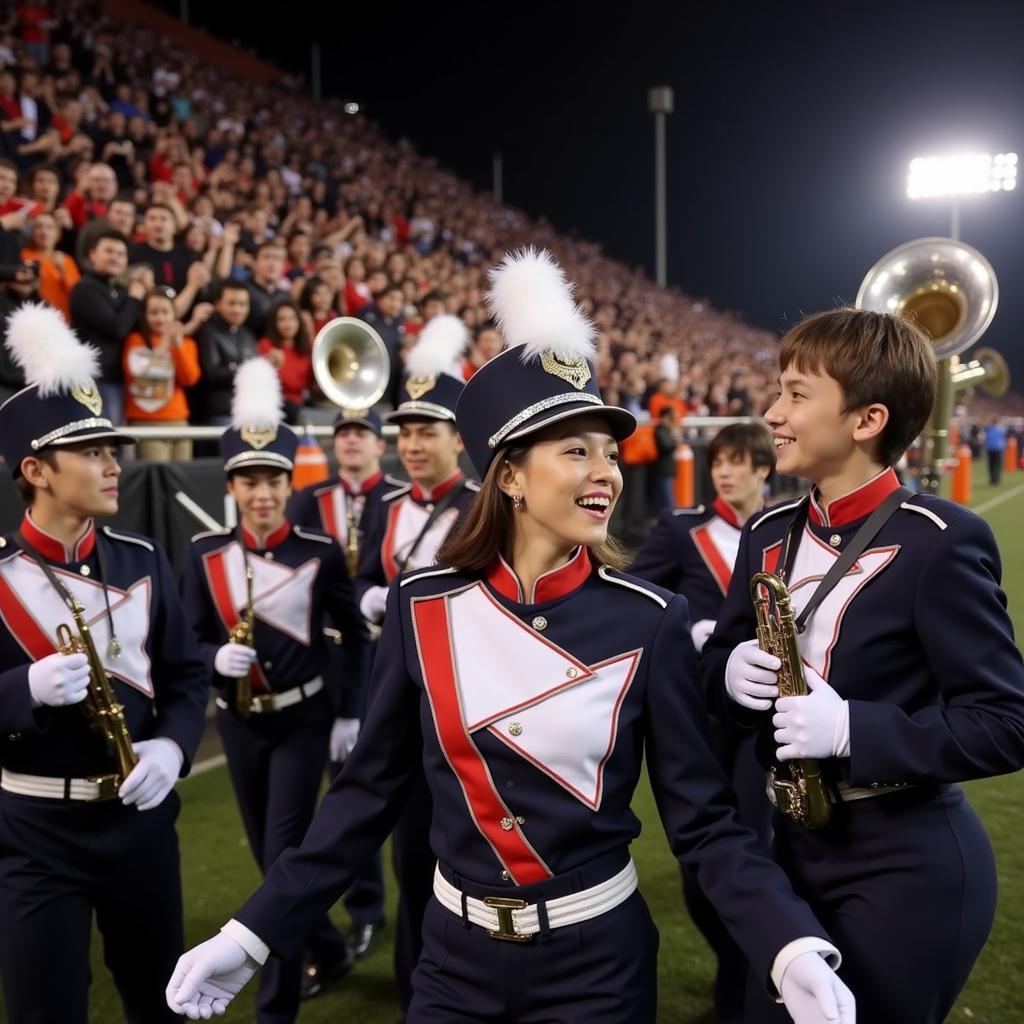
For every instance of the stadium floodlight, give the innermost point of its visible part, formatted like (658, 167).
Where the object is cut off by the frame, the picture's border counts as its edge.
(961, 174)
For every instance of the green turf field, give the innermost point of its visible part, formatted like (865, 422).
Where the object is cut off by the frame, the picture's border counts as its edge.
(218, 873)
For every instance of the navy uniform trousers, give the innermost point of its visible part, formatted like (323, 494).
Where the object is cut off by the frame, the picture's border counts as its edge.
(275, 761)
(59, 861)
(905, 883)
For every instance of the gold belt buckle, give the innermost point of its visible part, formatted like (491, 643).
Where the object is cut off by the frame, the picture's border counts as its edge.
(262, 703)
(106, 786)
(506, 925)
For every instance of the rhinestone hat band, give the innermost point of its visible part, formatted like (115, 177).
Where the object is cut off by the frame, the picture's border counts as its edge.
(532, 410)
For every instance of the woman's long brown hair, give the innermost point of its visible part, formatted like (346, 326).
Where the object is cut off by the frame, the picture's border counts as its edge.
(489, 526)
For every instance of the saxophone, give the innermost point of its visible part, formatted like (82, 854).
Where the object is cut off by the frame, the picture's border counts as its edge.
(243, 632)
(101, 706)
(351, 537)
(798, 786)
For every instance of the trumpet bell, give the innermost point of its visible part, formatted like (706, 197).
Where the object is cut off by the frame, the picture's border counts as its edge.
(987, 370)
(351, 363)
(948, 288)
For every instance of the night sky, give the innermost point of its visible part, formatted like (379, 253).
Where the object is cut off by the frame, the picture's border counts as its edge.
(787, 152)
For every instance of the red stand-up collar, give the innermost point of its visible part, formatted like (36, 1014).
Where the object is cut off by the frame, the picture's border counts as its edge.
(54, 550)
(367, 485)
(860, 502)
(549, 586)
(279, 536)
(422, 494)
(725, 511)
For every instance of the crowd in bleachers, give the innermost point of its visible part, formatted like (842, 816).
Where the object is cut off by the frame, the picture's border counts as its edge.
(182, 220)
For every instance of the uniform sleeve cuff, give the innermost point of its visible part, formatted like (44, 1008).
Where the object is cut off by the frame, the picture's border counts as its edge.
(252, 943)
(790, 951)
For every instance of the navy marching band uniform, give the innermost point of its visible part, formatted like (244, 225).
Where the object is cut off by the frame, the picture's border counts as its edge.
(68, 845)
(404, 530)
(916, 638)
(692, 551)
(276, 754)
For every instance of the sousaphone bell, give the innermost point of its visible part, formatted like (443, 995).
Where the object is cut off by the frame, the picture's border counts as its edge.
(351, 363)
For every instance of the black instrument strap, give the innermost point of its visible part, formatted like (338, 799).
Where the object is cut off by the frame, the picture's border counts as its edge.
(444, 503)
(861, 539)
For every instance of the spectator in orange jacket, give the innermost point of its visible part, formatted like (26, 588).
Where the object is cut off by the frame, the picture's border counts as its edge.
(58, 272)
(161, 360)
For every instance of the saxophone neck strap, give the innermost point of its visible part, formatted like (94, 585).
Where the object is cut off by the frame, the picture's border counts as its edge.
(846, 560)
(435, 514)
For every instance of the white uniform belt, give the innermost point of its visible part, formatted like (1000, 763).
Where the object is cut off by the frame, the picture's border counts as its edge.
(103, 787)
(269, 702)
(516, 920)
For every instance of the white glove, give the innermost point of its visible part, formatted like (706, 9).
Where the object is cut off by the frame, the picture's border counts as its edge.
(154, 776)
(817, 725)
(700, 631)
(208, 977)
(58, 680)
(373, 603)
(234, 660)
(344, 734)
(813, 993)
(750, 676)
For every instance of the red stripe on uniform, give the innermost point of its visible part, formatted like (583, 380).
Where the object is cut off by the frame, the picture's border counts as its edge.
(770, 557)
(717, 565)
(387, 547)
(217, 575)
(326, 502)
(430, 620)
(22, 626)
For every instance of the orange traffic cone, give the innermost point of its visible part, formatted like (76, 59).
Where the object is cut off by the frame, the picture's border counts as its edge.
(684, 476)
(310, 464)
(961, 489)
(1010, 460)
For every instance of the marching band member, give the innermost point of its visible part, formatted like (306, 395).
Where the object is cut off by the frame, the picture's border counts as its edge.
(257, 597)
(405, 531)
(341, 508)
(86, 825)
(692, 551)
(915, 682)
(526, 676)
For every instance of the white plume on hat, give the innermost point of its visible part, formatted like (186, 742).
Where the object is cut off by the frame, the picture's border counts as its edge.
(256, 401)
(532, 302)
(442, 341)
(49, 352)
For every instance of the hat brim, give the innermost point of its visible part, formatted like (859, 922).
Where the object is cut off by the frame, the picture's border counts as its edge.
(259, 460)
(356, 422)
(422, 412)
(110, 436)
(622, 421)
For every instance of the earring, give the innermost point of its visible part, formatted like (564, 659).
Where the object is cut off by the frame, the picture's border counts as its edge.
(517, 502)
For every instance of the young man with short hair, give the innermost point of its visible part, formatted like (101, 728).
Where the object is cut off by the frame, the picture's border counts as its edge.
(915, 683)
(88, 823)
(224, 344)
(279, 708)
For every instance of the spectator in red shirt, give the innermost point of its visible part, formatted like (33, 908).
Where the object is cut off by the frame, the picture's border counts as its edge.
(317, 305)
(287, 346)
(487, 344)
(94, 199)
(357, 291)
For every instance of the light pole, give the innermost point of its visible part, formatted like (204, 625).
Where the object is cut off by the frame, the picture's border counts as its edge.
(659, 103)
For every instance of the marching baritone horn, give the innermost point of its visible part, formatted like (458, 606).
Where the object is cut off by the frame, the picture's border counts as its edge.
(244, 632)
(102, 708)
(802, 795)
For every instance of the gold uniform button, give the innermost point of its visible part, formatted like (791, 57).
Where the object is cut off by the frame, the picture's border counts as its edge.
(505, 876)
(540, 622)
(268, 665)
(269, 556)
(571, 673)
(835, 540)
(3, 542)
(85, 570)
(515, 729)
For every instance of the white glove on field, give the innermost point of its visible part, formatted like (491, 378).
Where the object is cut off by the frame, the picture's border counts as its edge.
(59, 680)
(234, 660)
(208, 976)
(751, 678)
(154, 776)
(373, 603)
(344, 734)
(817, 725)
(700, 631)
(813, 994)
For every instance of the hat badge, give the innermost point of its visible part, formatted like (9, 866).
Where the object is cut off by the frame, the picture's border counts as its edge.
(575, 373)
(419, 386)
(89, 397)
(258, 437)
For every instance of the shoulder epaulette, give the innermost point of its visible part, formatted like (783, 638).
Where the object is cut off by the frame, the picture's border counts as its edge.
(422, 574)
(765, 516)
(113, 535)
(927, 513)
(472, 485)
(307, 535)
(606, 574)
(211, 533)
(699, 510)
(404, 489)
